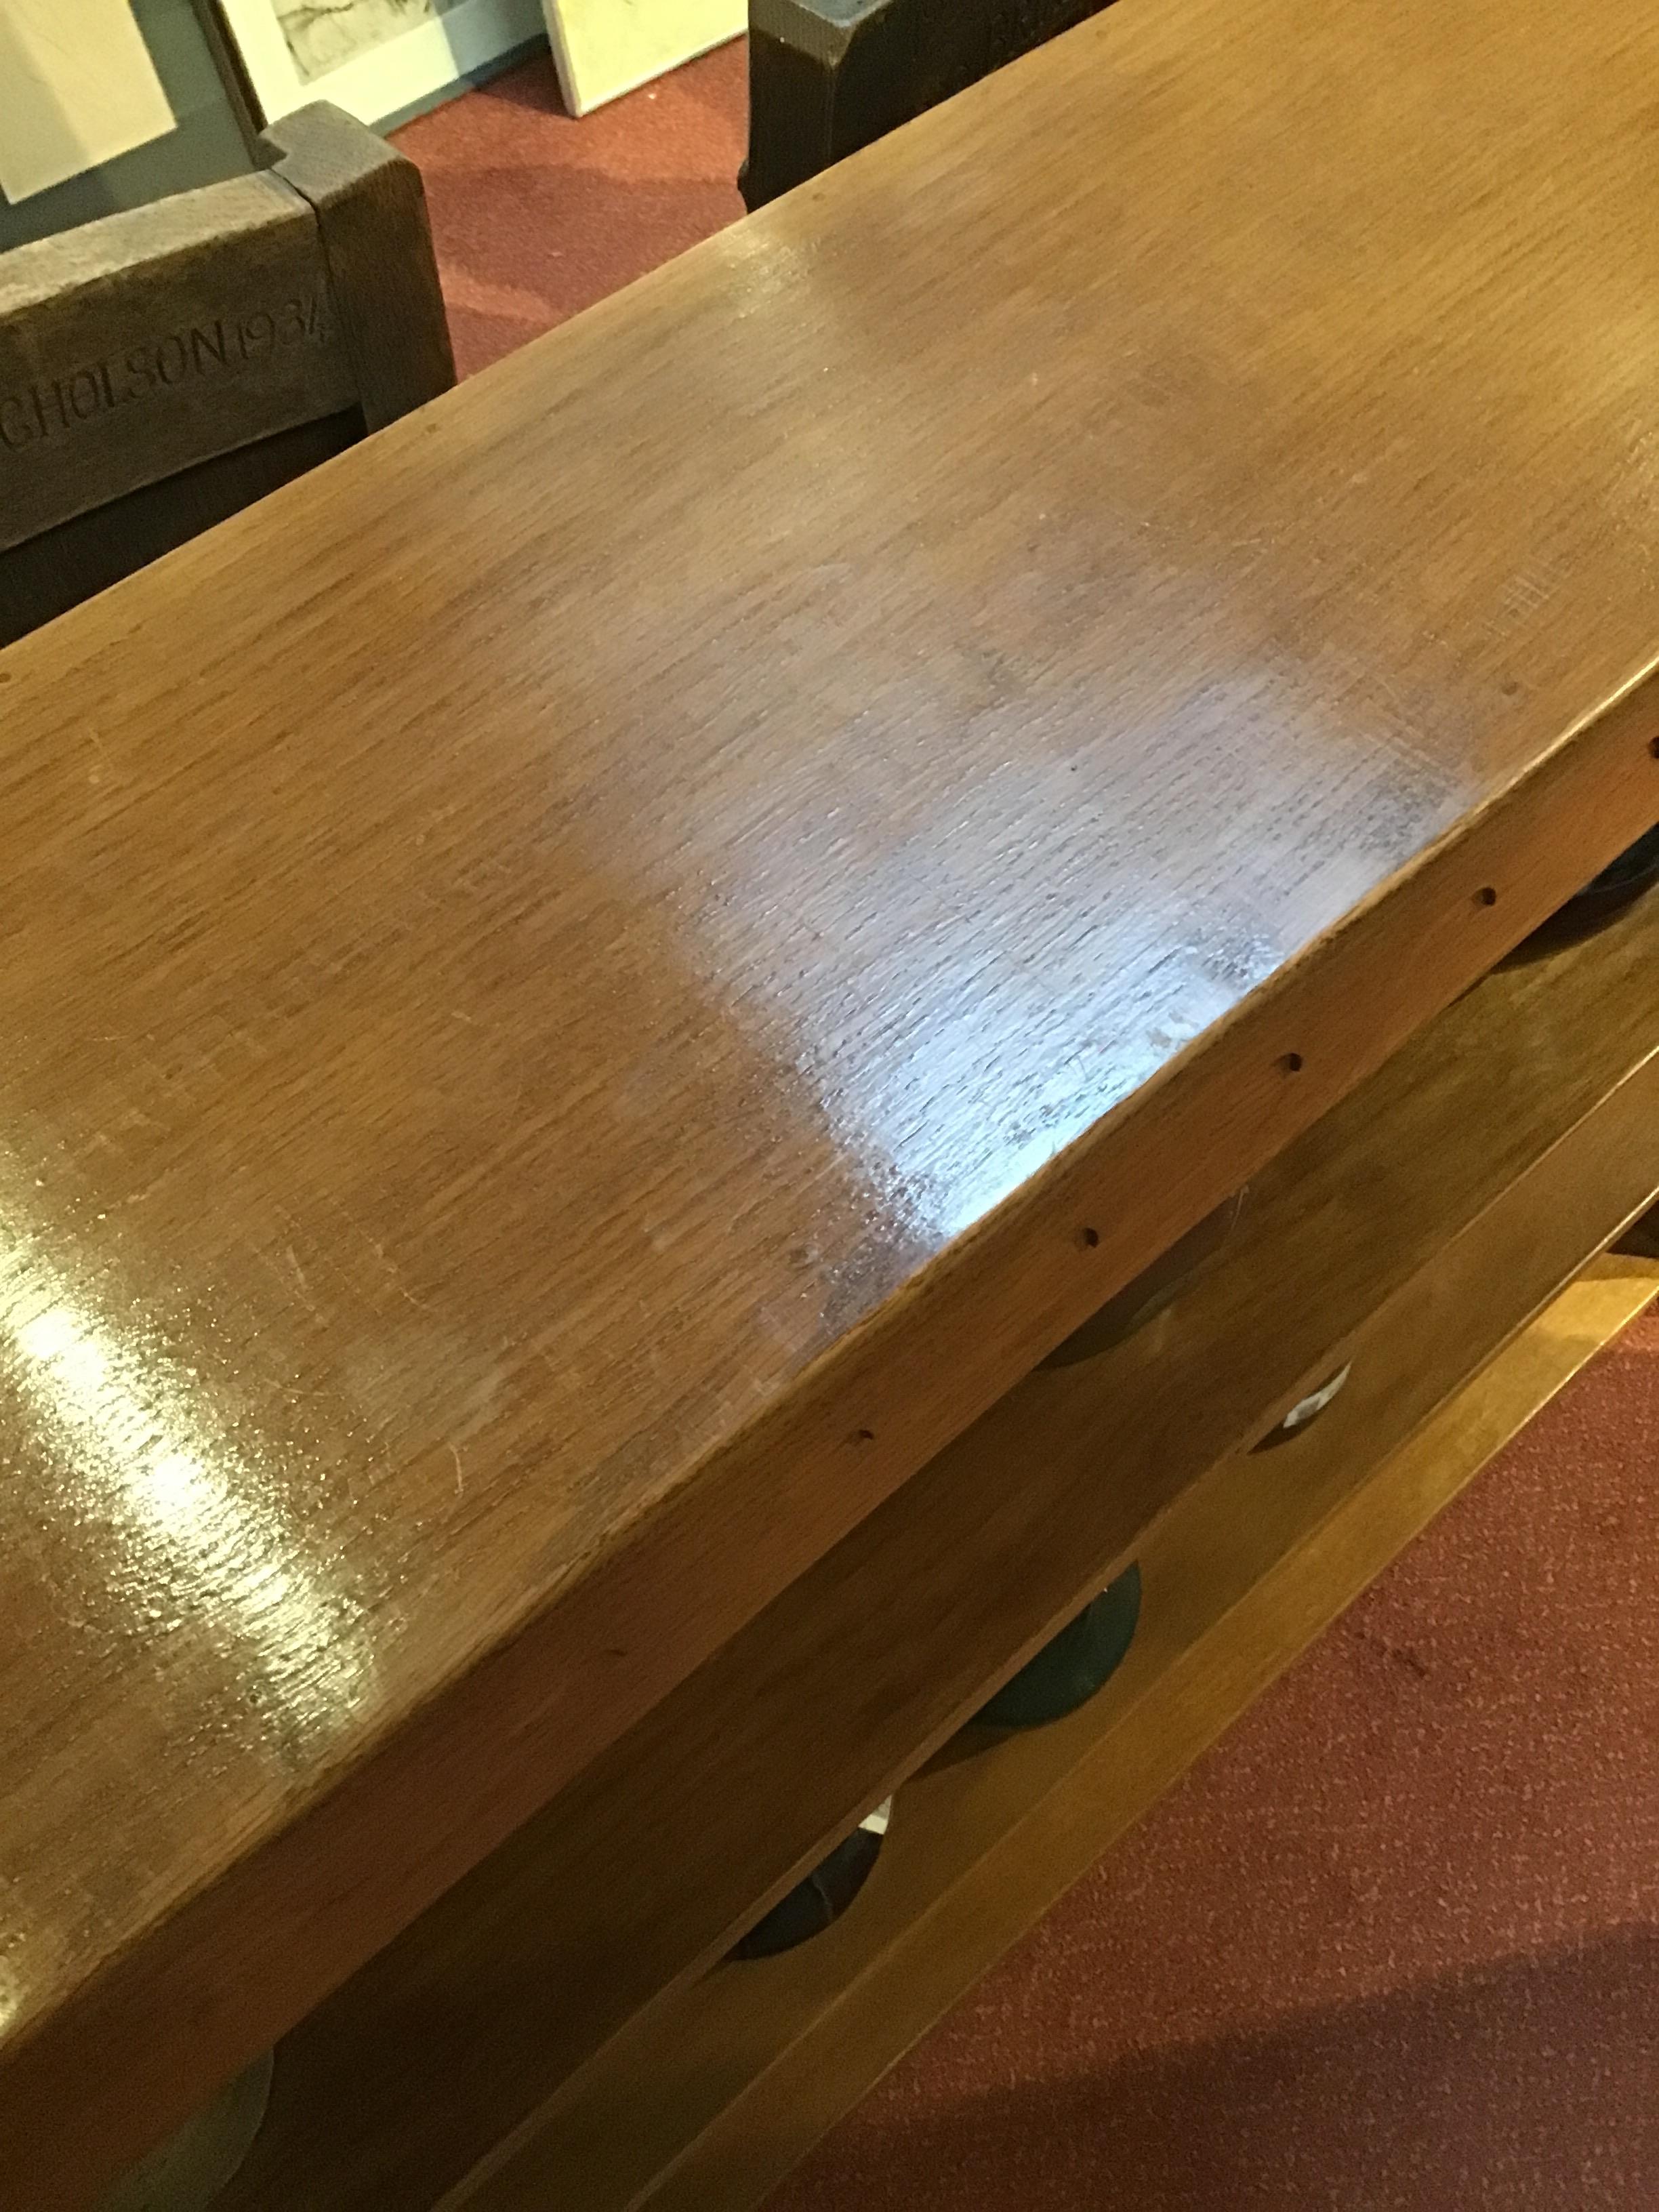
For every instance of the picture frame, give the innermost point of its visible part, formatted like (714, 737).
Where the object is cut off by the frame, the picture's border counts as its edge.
(120, 102)
(383, 61)
(603, 48)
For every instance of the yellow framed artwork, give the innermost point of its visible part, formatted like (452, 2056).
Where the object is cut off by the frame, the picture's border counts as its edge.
(603, 48)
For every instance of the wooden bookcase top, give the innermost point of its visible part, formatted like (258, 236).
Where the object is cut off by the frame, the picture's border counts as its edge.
(589, 983)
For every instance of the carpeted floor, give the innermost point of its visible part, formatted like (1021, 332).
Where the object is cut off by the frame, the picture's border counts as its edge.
(1393, 1946)
(535, 216)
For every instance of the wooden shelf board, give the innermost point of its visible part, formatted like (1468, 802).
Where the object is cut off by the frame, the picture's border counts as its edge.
(707, 2099)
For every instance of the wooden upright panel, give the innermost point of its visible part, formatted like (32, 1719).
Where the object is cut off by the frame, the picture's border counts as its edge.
(162, 368)
(373, 234)
(107, 384)
(827, 77)
(588, 985)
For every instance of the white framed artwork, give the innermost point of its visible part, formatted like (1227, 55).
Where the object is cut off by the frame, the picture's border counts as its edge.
(604, 48)
(379, 59)
(80, 88)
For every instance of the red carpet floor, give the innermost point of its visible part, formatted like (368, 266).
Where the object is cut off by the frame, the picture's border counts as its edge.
(535, 216)
(1393, 1946)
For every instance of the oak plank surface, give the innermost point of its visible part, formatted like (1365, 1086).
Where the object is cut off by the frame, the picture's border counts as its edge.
(595, 980)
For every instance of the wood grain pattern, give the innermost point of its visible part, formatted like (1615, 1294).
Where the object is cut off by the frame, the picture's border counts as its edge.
(1537, 1101)
(565, 1043)
(705, 2103)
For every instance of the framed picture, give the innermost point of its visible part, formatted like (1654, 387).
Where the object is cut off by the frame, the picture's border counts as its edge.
(381, 60)
(110, 104)
(603, 48)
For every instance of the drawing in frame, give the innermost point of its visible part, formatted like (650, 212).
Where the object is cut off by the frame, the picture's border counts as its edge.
(381, 60)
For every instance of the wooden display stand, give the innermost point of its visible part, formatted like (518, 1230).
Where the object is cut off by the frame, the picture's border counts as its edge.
(596, 986)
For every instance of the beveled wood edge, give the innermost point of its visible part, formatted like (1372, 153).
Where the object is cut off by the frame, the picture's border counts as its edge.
(988, 1845)
(310, 1901)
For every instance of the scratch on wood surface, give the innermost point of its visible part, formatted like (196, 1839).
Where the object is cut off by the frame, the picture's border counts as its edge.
(386, 1261)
